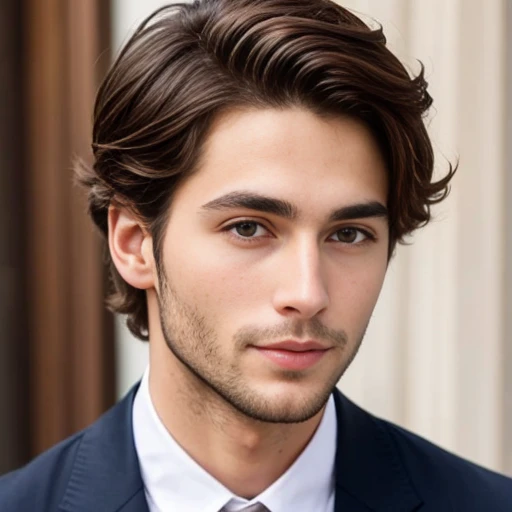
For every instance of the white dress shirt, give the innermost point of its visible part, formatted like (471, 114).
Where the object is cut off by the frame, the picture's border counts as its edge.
(174, 481)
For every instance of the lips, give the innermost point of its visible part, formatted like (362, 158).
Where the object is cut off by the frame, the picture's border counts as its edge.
(294, 355)
(296, 346)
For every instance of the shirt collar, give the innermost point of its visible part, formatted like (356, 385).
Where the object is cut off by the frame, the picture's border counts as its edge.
(171, 476)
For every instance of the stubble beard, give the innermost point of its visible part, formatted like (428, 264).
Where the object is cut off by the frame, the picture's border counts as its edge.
(195, 345)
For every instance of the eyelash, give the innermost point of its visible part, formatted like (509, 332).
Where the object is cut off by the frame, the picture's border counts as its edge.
(369, 237)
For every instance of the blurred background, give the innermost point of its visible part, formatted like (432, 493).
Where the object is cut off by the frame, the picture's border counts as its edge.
(437, 357)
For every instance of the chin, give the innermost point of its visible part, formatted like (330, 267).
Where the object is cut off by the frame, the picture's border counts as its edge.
(288, 404)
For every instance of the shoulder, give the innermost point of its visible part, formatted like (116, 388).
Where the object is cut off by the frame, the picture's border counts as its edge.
(40, 484)
(437, 472)
(97, 467)
(389, 468)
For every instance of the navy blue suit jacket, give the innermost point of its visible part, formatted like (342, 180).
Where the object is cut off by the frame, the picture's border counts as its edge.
(379, 467)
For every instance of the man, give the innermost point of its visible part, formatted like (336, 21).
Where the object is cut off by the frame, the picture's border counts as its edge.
(256, 162)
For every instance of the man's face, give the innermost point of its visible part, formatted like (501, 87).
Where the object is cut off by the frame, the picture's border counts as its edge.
(273, 258)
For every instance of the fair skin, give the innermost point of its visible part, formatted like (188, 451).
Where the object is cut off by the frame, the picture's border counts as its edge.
(281, 236)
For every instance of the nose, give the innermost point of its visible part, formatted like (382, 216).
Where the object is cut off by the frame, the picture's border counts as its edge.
(301, 290)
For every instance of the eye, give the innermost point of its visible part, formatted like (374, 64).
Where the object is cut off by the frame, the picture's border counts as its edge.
(247, 229)
(351, 236)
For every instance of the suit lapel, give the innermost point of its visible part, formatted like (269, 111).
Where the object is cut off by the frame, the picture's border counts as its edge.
(370, 475)
(106, 474)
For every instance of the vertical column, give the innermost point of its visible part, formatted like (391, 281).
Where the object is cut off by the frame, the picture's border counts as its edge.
(507, 233)
(480, 232)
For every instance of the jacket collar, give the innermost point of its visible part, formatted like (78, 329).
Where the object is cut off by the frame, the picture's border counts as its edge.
(370, 475)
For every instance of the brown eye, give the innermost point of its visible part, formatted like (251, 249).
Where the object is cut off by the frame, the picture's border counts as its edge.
(349, 235)
(346, 235)
(246, 229)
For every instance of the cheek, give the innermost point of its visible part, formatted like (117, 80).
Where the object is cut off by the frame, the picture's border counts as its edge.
(354, 297)
(217, 286)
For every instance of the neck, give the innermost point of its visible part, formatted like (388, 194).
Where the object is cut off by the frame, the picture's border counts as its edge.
(244, 454)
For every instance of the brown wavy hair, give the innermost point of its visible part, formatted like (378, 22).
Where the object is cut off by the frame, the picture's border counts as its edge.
(188, 62)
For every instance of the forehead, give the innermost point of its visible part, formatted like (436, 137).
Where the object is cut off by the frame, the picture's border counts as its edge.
(289, 153)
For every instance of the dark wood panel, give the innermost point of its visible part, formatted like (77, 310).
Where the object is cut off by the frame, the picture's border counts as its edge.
(71, 341)
(13, 336)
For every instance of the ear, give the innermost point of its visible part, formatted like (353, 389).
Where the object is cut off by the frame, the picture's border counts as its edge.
(131, 248)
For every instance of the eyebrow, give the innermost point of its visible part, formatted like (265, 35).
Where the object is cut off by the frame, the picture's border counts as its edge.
(287, 210)
(253, 201)
(360, 211)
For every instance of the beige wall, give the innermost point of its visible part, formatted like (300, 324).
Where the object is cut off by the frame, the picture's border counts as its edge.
(507, 356)
(434, 357)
